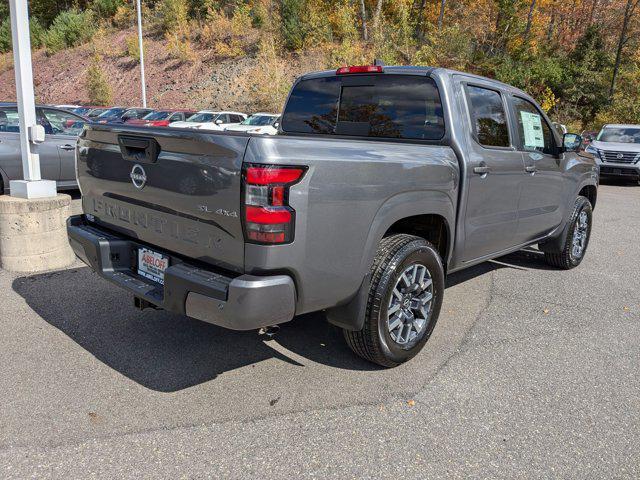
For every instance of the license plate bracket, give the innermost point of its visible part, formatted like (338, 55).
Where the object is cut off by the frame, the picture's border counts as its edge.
(152, 265)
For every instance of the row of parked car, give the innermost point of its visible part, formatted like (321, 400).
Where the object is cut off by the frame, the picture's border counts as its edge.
(63, 123)
(260, 123)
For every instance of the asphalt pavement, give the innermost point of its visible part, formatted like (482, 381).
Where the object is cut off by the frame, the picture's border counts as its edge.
(530, 373)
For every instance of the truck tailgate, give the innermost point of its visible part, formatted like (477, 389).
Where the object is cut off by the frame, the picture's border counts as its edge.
(178, 190)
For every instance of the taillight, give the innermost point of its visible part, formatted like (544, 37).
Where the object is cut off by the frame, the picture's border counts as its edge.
(359, 69)
(268, 217)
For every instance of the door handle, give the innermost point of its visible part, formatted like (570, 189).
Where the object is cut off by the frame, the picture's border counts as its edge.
(482, 169)
(531, 169)
(67, 147)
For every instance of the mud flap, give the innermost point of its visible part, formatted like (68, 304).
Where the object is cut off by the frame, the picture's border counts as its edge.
(350, 315)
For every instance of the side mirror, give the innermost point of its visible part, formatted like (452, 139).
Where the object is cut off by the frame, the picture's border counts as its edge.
(218, 122)
(276, 124)
(571, 142)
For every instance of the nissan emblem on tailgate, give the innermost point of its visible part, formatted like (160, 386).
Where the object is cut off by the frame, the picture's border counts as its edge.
(138, 176)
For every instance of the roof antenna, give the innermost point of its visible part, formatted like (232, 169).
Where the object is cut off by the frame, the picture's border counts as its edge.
(378, 63)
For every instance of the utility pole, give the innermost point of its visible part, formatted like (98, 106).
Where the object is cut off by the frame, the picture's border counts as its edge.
(31, 133)
(142, 80)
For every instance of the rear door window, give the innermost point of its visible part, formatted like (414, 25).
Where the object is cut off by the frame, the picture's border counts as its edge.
(488, 117)
(9, 121)
(535, 133)
(58, 122)
(387, 106)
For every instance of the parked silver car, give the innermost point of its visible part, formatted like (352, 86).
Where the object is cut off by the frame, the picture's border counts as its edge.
(617, 151)
(57, 153)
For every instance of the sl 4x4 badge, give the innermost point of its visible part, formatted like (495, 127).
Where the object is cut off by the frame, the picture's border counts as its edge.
(220, 211)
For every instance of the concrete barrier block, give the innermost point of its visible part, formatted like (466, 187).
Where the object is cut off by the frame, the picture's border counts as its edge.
(33, 235)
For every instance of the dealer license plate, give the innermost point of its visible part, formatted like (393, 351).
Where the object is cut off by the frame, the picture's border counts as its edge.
(152, 265)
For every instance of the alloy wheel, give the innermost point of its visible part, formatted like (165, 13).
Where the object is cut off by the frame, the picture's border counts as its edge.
(410, 304)
(580, 235)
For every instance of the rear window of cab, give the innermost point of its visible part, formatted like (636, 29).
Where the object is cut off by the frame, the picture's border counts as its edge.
(385, 106)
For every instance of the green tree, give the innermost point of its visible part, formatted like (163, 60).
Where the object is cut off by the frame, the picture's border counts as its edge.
(98, 87)
(293, 25)
(586, 76)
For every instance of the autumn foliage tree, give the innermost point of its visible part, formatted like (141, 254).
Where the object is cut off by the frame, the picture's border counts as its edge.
(579, 59)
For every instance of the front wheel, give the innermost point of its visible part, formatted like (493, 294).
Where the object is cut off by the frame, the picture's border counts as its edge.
(575, 246)
(407, 287)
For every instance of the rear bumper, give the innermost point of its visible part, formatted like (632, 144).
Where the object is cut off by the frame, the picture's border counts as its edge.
(244, 302)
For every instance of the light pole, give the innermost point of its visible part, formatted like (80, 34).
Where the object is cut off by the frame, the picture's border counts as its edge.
(33, 237)
(142, 80)
(31, 133)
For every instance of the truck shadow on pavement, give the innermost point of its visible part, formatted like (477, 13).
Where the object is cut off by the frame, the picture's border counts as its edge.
(166, 352)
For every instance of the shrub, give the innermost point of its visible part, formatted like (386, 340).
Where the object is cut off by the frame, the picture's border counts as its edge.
(348, 52)
(6, 63)
(216, 28)
(133, 47)
(5, 36)
(225, 35)
(268, 82)
(174, 15)
(69, 29)
(318, 30)
(35, 27)
(106, 9)
(100, 92)
(344, 21)
(37, 32)
(180, 47)
(449, 48)
(241, 20)
(124, 15)
(293, 26)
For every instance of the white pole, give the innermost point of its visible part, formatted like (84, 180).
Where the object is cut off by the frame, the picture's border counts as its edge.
(24, 86)
(142, 80)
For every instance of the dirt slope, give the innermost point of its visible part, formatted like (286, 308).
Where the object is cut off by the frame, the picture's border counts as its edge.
(207, 82)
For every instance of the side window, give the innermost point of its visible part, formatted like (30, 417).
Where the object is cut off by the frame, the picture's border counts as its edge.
(9, 121)
(224, 118)
(177, 117)
(57, 122)
(488, 117)
(535, 133)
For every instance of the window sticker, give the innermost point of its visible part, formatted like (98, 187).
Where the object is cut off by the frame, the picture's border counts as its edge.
(532, 126)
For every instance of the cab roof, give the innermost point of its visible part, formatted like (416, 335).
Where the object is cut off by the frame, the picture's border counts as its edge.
(421, 70)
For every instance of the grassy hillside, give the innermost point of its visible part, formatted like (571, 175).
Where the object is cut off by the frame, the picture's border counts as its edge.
(207, 80)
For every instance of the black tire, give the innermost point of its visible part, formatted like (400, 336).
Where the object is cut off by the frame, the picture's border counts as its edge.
(566, 259)
(395, 254)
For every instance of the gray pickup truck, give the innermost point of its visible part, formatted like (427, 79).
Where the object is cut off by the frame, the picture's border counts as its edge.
(380, 182)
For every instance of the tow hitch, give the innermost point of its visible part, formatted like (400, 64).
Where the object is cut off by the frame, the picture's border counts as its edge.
(269, 331)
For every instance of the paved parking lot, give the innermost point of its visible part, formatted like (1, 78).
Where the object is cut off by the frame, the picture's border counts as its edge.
(531, 372)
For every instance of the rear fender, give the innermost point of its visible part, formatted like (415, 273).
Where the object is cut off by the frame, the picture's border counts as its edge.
(351, 314)
(556, 243)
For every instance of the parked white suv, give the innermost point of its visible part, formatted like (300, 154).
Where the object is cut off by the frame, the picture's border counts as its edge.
(617, 151)
(211, 120)
(255, 122)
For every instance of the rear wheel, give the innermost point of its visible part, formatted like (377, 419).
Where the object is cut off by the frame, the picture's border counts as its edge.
(407, 286)
(575, 246)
